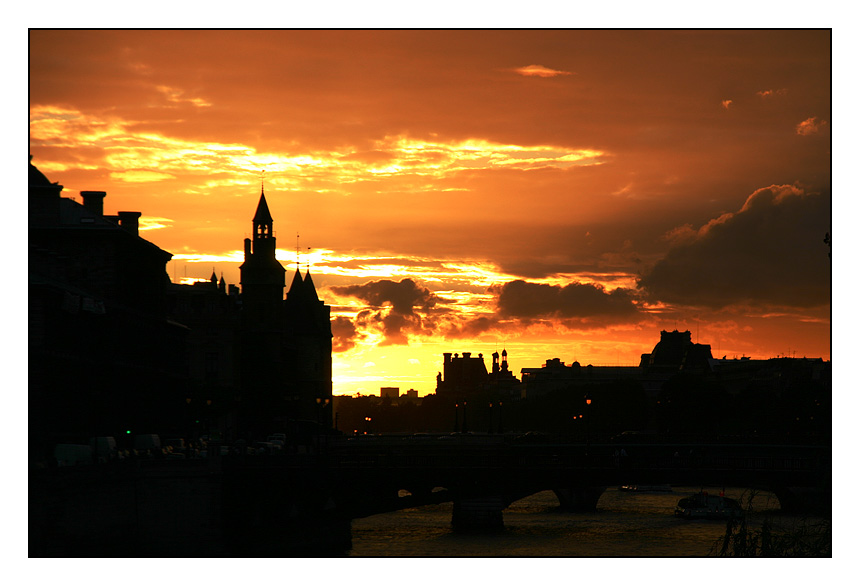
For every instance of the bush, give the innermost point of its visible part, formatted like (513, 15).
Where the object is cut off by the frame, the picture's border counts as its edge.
(804, 539)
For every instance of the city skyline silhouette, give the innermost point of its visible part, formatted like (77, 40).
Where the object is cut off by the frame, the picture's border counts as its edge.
(295, 291)
(436, 225)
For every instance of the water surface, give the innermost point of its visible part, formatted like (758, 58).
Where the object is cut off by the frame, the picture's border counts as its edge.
(625, 524)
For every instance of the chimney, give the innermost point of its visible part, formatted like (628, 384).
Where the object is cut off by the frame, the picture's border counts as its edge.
(94, 202)
(129, 221)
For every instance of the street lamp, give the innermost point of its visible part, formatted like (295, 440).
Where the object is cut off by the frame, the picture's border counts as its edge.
(588, 399)
(456, 407)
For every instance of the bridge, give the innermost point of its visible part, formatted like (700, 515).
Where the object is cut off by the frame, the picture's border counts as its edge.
(482, 475)
(301, 500)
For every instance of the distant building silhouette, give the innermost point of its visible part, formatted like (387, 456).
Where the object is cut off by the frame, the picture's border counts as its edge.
(466, 376)
(673, 354)
(676, 352)
(390, 392)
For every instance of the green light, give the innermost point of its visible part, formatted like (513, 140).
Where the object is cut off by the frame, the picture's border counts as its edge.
(128, 431)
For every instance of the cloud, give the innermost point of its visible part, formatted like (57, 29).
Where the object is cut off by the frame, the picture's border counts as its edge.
(680, 234)
(141, 151)
(810, 126)
(175, 96)
(585, 302)
(344, 334)
(771, 93)
(154, 223)
(395, 308)
(539, 71)
(769, 253)
(141, 176)
(403, 295)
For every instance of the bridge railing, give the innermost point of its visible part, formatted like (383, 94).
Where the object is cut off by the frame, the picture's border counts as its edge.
(572, 457)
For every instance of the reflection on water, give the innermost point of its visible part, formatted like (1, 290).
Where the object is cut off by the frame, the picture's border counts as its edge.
(625, 524)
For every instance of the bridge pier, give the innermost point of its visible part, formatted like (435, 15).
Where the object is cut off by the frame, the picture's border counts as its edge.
(579, 499)
(478, 514)
(804, 500)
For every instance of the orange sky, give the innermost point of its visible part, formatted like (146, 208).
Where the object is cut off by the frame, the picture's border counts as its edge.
(558, 193)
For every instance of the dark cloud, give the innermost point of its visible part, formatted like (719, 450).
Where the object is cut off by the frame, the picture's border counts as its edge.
(769, 253)
(471, 327)
(344, 334)
(403, 295)
(396, 307)
(525, 300)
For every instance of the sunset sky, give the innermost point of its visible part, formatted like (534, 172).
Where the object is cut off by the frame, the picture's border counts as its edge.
(560, 194)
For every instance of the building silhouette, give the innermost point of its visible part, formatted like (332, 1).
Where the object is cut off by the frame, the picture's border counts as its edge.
(676, 352)
(104, 356)
(116, 348)
(261, 362)
(211, 310)
(466, 376)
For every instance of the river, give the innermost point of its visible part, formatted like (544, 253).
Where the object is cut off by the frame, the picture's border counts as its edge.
(625, 524)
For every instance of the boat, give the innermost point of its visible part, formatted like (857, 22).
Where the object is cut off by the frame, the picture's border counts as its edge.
(644, 488)
(711, 507)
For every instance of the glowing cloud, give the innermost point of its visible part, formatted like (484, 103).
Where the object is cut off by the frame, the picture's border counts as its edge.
(175, 95)
(810, 126)
(139, 176)
(771, 93)
(133, 156)
(153, 223)
(539, 71)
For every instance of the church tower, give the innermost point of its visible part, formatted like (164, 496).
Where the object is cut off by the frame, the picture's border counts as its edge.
(263, 369)
(261, 275)
(286, 342)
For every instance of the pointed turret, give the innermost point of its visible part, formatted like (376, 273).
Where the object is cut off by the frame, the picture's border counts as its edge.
(261, 275)
(297, 288)
(262, 216)
(310, 290)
